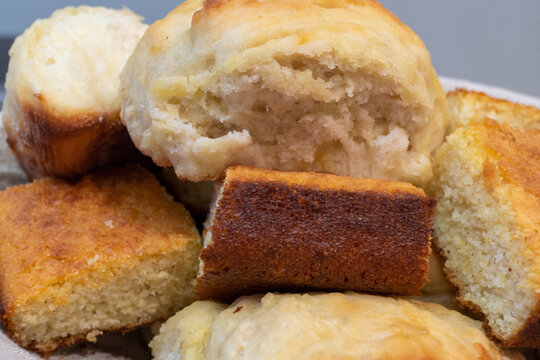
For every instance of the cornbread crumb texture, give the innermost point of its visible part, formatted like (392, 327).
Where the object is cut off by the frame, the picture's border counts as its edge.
(278, 231)
(487, 225)
(110, 251)
(323, 326)
(330, 86)
(61, 111)
(466, 106)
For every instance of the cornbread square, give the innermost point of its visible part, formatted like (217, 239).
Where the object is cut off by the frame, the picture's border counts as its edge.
(109, 252)
(487, 224)
(466, 106)
(62, 106)
(285, 231)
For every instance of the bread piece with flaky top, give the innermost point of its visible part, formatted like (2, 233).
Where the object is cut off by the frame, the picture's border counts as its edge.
(62, 99)
(487, 225)
(281, 231)
(109, 252)
(323, 326)
(466, 106)
(334, 86)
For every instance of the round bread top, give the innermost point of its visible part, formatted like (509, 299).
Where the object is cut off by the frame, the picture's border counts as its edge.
(69, 64)
(324, 85)
(324, 326)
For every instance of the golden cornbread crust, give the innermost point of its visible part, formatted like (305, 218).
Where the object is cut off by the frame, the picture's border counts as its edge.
(54, 232)
(466, 106)
(517, 155)
(307, 231)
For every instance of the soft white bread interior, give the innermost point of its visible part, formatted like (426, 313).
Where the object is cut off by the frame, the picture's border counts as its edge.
(61, 111)
(323, 326)
(332, 86)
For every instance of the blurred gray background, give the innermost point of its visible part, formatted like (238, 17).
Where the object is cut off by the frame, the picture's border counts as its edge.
(496, 42)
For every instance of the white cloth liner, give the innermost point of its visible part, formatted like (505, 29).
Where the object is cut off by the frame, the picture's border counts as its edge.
(11, 174)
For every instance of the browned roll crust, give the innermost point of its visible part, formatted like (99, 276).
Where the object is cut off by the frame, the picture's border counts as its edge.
(277, 231)
(109, 252)
(47, 145)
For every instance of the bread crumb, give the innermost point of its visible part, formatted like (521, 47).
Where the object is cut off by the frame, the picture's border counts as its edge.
(93, 260)
(92, 335)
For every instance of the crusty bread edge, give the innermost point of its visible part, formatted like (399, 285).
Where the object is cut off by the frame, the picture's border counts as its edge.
(39, 143)
(527, 336)
(463, 93)
(46, 350)
(245, 174)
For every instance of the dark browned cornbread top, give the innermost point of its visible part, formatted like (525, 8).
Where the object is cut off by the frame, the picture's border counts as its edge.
(277, 231)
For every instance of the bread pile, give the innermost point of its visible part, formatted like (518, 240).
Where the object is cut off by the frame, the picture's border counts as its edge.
(314, 118)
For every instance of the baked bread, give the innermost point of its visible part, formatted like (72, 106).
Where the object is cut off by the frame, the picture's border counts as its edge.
(323, 326)
(332, 86)
(61, 110)
(466, 106)
(195, 196)
(487, 186)
(278, 231)
(109, 252)
(10, 171)
(438, 289)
